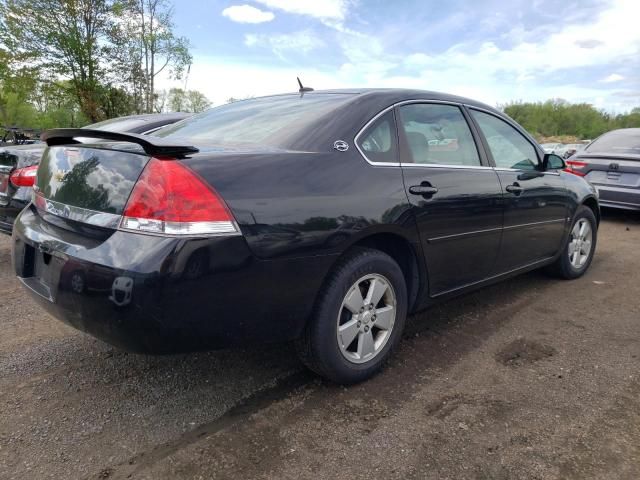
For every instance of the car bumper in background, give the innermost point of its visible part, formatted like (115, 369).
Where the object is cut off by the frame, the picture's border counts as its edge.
(162, 295)
(619, 197)
(10, 208)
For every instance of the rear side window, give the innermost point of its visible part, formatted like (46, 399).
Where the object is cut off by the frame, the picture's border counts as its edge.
(379, 141)
(508, 147)
(438, 134)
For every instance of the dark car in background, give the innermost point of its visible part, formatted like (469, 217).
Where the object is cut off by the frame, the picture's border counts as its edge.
(322, 218)
(18, 163)
(612, 164)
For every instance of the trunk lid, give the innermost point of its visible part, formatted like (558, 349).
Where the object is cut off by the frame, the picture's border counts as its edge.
(91, 183)
(610, 169)
(87, 179)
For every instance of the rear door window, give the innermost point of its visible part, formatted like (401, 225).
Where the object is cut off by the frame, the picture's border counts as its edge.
(437, 134)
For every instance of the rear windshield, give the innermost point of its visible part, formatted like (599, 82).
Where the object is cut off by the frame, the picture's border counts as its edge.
(268, 121)
(620, 141)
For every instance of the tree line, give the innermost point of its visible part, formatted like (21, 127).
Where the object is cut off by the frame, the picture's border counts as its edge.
(559, 118)
(73, 62)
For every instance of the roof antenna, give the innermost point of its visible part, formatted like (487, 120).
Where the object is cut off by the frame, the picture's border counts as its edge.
(302, 89)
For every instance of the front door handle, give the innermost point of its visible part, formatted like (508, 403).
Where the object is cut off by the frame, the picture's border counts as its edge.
(516, 189)
(424, 190)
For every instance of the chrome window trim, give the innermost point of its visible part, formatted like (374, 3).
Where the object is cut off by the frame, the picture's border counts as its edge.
(438, 165)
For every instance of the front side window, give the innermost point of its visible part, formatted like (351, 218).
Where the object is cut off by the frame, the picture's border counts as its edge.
(508, 146)
(378, 142)
(437, 134)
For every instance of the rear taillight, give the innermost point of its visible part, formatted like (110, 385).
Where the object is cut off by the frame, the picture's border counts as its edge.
(169, 198)
(24, 177)
(574, 165)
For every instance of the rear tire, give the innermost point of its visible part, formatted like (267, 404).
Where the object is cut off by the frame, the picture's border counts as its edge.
(358, 318)
(577, 254)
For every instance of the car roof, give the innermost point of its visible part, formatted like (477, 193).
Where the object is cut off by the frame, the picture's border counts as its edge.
(398, 95)
(362, 104)
(624, 131)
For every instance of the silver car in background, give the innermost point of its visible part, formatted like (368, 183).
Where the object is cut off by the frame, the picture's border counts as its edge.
(611, 163)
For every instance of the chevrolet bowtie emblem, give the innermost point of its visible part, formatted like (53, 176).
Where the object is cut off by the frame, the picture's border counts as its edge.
(60, 175)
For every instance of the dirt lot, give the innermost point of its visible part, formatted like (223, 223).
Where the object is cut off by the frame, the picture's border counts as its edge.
(532, 378)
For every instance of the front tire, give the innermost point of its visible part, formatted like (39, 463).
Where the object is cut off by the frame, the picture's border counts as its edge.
(577, 254)
(358, 320)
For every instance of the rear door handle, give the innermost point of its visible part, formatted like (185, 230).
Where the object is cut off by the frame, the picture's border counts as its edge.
(515, 189)
(425, 190)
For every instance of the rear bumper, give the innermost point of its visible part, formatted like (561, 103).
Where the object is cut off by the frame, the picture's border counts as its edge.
(164, 295)
(619, 197)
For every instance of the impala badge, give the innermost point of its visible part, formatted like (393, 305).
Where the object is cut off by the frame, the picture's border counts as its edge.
(341, 145)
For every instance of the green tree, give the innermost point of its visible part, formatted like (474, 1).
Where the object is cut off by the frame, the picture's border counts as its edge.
(558, 117)
(146, 34)
(65, 37)
(196, 101)
(177, 100)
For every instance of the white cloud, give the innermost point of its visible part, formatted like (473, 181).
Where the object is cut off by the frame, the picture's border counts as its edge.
(489, 71)
(322, 9)
(496, 74)
(614, 77)
(297, 42)
(417, 59)
(247, 14)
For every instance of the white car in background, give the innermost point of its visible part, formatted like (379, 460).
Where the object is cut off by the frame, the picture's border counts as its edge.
(551, 147)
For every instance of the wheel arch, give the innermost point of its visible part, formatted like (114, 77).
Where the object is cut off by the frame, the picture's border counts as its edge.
(407, 256)
(592, 203)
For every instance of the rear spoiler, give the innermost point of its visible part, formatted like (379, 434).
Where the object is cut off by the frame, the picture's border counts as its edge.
(151, 145)
(608, 156)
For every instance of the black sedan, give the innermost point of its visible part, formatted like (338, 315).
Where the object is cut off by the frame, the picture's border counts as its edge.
(612, 164)
(324, 218)
(18, 164)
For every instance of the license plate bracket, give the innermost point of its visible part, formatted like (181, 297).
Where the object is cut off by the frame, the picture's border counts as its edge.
(39, 272)
(4, 184)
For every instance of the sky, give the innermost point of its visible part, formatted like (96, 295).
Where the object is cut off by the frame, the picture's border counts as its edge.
(489, 50)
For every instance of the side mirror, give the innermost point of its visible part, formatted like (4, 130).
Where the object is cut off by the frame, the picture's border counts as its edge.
(551, 161)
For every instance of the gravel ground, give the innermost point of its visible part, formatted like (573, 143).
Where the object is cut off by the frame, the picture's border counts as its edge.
(532, 378)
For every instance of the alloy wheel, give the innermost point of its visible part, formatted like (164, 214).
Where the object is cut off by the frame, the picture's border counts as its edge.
(366, 318)
(580, 243)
